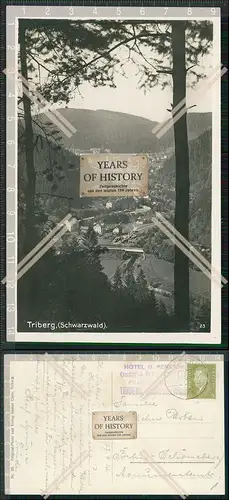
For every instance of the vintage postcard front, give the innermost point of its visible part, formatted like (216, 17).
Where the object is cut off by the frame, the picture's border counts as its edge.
(113, 146)
(114, 424)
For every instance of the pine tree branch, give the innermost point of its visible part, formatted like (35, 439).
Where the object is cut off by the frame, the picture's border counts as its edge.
(50, 195)
(101, 56)
(48, 135)
(40, 64)
(190, 67)
(165, 71)
(139, 50)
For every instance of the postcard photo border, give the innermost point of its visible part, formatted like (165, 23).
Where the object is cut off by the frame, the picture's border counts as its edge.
(12, 334)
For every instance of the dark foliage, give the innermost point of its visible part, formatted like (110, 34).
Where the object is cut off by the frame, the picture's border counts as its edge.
(69, 286)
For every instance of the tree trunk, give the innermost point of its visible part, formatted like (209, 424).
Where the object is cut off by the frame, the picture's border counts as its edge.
(25, 285)
(30, 189)
(181, 266)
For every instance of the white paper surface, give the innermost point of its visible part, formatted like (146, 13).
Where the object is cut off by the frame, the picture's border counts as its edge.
(49, 445)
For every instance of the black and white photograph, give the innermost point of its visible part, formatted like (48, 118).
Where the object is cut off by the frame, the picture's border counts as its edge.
(110, 89)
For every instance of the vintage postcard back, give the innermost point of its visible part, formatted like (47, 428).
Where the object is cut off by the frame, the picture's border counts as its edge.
(143, 424)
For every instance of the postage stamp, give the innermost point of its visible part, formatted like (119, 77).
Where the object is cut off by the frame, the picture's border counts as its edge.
(99, 126)
(201, 380)
(189, 378)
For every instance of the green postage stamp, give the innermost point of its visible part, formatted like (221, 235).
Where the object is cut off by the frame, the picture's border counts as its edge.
(201, 381)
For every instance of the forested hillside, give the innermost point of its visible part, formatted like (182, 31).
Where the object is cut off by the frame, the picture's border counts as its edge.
(162, 188)
(200, 156)
(197, 124)
(57, 179)
(122, 132)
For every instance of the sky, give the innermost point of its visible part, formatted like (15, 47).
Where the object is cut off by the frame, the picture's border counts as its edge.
(128, 98)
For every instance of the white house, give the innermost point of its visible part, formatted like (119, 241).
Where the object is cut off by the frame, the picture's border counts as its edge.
(116, 230)
(146, 208)
(108, 204)
(84, 229)
(95, 150)
(97, 228)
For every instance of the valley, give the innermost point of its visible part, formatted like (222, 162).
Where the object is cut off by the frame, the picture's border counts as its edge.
(127, 222)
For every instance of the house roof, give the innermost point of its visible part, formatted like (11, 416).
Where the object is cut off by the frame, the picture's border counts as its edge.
(128, 227)
(110, 227)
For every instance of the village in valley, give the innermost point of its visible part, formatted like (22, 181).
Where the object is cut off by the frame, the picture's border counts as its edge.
(128, 239)
(123, 225)
(125, 231)
(115, 219)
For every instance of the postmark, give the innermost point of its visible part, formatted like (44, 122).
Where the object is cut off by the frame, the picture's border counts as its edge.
(134, 377)
(114, 425)
(187, 377)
